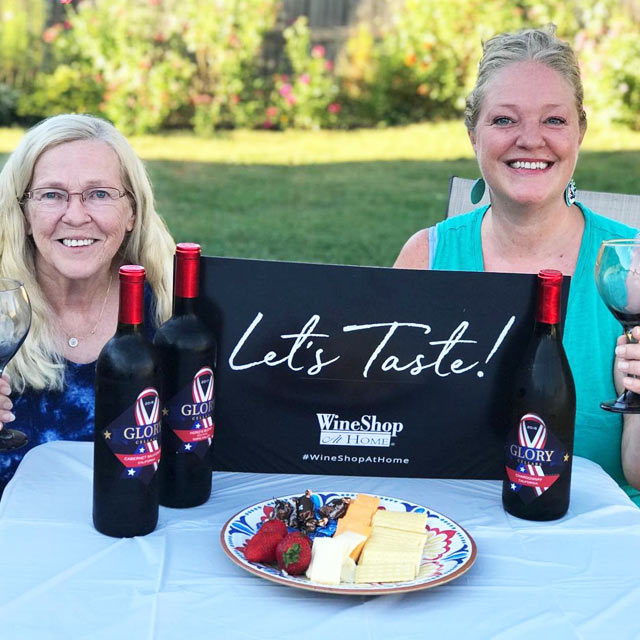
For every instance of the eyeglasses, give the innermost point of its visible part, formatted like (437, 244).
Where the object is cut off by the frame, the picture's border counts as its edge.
(57, 200)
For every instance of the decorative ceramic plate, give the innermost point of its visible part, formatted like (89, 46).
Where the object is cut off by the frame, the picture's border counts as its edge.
(448, 552)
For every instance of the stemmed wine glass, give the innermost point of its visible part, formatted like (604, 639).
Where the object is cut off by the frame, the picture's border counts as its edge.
(618, 282)
(15, 321)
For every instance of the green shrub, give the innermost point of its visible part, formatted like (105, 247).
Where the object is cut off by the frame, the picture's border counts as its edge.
(306, 97)
(68, 89)
(149, 64)
(21, 46)
(421, 65)
(137, 50)
(22, 52)
(609, 51)
(67, 81)
(228, 86)
(424, 63)
(623, 75)
(8, 103)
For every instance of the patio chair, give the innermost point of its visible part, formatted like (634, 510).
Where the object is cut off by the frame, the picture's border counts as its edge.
(618, 206)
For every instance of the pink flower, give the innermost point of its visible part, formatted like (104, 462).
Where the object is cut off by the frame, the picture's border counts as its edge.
(65, 1)
(49, 35)
(285, 89)
(304, 78)
(290, 98)
(334, 107)
(267, 124)
(202, 98)
(328, 65)
(272, 112)
(318, 51)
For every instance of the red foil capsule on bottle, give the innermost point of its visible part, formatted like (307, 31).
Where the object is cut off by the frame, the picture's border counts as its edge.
(131, 294)
(550, 290)
(187, 276)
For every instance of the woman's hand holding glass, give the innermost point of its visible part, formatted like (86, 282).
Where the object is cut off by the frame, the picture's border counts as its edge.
(15, 322)
(5, 401)
(628, 362)
(618, 282)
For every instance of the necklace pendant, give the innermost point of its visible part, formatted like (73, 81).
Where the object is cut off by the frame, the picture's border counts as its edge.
(73, 342)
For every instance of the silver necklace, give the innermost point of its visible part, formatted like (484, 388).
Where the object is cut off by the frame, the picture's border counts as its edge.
(74, 341)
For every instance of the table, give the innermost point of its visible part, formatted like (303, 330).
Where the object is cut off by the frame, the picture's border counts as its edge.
(573, 578)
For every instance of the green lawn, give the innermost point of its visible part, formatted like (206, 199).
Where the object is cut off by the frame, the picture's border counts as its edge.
(331, 196)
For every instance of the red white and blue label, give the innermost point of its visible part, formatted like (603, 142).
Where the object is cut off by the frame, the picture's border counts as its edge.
(189, 414)
(134, 438)
(535, 458)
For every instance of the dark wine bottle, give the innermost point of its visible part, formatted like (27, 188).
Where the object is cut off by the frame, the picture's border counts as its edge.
(127, 424)
(539, 446)
(187, 349)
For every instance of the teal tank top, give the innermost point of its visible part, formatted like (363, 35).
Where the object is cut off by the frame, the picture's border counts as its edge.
(590, 330)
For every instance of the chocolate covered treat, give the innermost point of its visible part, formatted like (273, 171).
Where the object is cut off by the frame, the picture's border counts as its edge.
(335, 508)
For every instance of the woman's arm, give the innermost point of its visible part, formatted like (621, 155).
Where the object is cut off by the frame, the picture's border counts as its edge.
(627, 365)
(415, 253)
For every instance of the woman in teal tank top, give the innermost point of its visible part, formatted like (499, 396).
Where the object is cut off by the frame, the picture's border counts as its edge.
(526, 122)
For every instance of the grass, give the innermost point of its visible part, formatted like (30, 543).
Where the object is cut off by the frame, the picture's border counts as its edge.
(331, 196)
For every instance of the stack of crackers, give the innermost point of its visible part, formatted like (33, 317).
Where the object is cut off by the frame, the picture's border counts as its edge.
(393, 552)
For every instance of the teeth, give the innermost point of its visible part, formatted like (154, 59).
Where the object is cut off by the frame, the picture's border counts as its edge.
(72, 242)
(529, 165)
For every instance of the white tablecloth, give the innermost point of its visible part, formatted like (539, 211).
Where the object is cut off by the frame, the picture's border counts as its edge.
(578, 577)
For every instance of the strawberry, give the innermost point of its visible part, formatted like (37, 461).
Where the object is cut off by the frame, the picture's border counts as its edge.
(273, 526)
(298, 534)
(293, 553)
(262, 548)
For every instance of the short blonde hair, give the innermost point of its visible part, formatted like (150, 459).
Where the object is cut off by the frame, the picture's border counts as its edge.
(536, 45)
(38, 364)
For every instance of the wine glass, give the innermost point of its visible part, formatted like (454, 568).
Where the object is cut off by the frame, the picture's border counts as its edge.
(15, 321)
(618, 282)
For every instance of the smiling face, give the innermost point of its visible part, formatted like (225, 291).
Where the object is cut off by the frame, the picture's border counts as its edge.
(527, 136)
(78, 242)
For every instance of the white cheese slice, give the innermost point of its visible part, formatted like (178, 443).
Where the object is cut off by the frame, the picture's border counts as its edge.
(349, 540)
(327, 556)
(348, 571)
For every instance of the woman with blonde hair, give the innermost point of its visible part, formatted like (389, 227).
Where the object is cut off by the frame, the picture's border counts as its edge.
(75, 204)
(526, 121)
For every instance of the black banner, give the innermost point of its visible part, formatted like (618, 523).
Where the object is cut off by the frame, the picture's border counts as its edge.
(363, 370)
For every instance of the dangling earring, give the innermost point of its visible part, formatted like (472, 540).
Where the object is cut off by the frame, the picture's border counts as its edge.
(477, 190)
(570, 193)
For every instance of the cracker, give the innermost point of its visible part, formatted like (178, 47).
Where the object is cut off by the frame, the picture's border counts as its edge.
(403, 520)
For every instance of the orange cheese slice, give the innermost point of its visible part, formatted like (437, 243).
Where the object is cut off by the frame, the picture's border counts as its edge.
(358, 519)
(371, 503)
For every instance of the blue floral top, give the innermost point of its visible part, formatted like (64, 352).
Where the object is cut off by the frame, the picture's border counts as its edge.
(46, 415)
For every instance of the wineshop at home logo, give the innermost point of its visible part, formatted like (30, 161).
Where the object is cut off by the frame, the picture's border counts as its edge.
(367, 431)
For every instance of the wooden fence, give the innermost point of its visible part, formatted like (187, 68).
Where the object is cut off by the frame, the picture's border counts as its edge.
(330, 21)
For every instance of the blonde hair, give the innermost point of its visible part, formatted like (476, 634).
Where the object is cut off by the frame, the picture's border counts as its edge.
(38, 363)
(536, 45)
